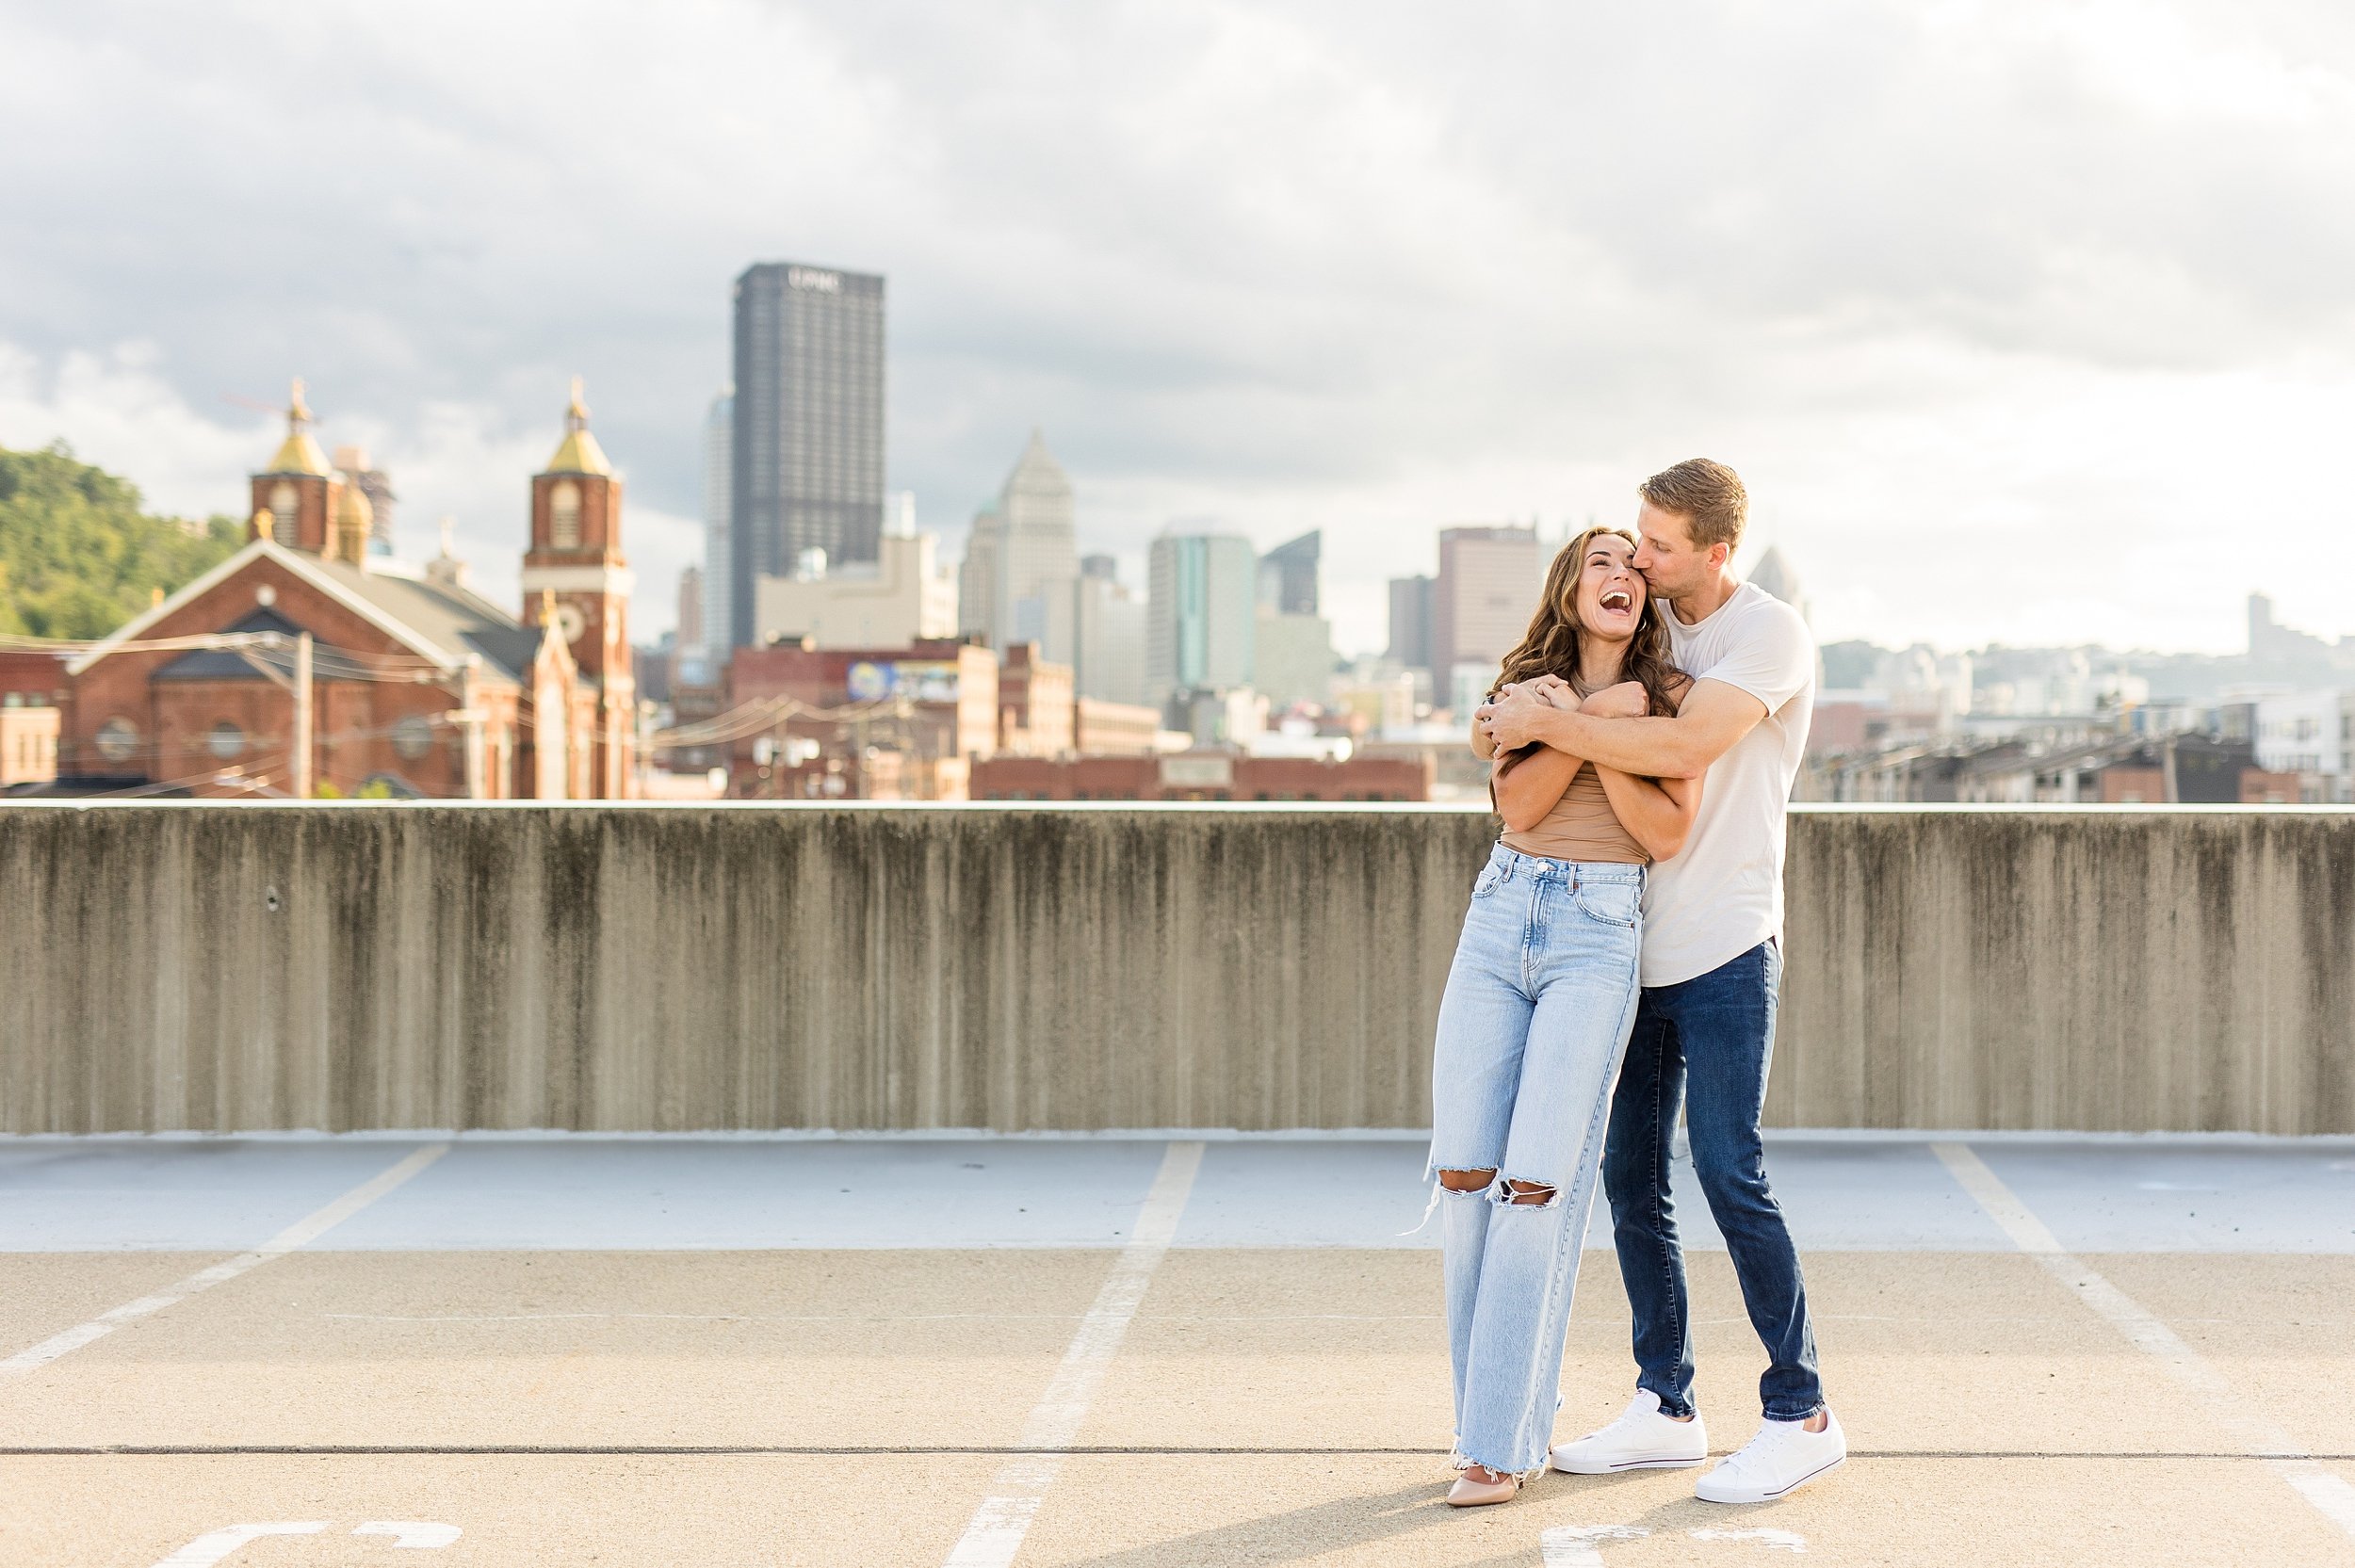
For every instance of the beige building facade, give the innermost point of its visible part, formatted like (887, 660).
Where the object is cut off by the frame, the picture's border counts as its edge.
(902, 597)
(1488, 588)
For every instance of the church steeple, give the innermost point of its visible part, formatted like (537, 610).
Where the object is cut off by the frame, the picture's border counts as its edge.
(573, 567)
(578, 453)
(296, 499)
(298, 453)
(349, 524)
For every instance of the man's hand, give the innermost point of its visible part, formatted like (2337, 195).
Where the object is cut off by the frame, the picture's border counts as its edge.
(1511, 720)
(1552, 691)
(1628, 700)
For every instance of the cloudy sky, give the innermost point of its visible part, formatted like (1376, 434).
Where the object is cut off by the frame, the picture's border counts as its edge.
(2030, 321)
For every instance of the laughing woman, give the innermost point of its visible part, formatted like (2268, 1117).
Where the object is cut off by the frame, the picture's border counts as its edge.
(1538, 1007)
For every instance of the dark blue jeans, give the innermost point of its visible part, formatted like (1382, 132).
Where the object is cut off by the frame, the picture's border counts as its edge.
(1715, 1033)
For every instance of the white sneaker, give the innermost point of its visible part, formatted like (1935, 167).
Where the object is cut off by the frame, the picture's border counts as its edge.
(1640, 1439)
(1783, 1457)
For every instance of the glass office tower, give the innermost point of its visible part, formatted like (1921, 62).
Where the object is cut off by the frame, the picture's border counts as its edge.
(808, 449)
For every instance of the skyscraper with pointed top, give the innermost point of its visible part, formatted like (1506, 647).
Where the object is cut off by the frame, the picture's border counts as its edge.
(1022, 559)
(807, 448)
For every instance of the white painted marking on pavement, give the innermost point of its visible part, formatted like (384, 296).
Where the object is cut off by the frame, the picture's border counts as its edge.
(216, 1546)
(1576, 1545)
(300, 1233)
(1774, 1541)
(998, 1526)
(2330, 1495)
(414, 1533)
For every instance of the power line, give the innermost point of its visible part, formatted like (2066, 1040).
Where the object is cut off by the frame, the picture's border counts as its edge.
(762, 714)
(356, 667)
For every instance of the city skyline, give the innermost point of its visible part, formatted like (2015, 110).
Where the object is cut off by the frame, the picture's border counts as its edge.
(1462, 318)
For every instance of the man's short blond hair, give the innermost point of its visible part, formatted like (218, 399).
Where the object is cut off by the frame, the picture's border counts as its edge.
(1708, 495)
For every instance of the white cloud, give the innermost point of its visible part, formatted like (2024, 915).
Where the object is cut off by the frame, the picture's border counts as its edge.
(118, 411)
(2003, 307)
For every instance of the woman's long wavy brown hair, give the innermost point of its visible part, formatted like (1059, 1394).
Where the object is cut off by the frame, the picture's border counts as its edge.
(1550, 647)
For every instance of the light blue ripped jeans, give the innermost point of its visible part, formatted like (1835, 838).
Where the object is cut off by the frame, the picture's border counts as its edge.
(1538, 1007)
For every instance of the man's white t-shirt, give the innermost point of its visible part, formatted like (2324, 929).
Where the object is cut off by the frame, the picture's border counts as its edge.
(1722, 895)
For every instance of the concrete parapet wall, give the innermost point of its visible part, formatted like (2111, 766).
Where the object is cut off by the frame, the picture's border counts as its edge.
(643, 967)
(2107, 969)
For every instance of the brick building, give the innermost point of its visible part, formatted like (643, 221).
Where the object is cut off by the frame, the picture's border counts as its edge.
(934, 701)
(1035, 705)
(1101, 729)
(418, 685)
(573, 564)
(33, 688)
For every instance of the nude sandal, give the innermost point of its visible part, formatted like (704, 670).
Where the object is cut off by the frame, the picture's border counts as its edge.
(1467, 1493)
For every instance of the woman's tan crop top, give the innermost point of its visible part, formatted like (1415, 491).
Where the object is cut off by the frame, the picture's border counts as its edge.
(1581, 826)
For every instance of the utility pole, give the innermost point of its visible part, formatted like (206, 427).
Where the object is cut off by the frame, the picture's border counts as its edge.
(301, 764)
(471, 716)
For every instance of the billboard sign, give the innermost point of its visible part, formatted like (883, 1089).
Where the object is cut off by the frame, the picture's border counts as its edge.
(927, 679)
(919, 680)
(1198, 770)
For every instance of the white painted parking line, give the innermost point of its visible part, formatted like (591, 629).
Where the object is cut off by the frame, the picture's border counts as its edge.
(218, 1545)
(300, 1233)
(2330, 1495)
(1773, 1541)
(1580, 1546)
(998, 1526)
(1577, 1545)
(415, 1534)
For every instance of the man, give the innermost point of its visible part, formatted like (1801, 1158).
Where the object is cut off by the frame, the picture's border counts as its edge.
(1712, 968)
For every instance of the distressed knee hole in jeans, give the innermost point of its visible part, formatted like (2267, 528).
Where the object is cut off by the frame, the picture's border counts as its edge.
(1522, 1194)
(1467, 1184)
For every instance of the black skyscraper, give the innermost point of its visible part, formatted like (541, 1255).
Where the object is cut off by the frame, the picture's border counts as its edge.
(808, 449)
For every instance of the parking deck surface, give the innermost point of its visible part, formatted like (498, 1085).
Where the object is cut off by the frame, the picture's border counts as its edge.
(1122, 1352)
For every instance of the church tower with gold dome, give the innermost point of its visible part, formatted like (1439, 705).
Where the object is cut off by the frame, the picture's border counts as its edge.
(575, 561)
(294, 500)
(302, 504)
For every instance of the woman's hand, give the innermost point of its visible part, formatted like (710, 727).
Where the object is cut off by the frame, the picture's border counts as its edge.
(1552, 691)
(1628, 700)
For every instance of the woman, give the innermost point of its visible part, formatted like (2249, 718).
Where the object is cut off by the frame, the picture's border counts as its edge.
(1537, 1011)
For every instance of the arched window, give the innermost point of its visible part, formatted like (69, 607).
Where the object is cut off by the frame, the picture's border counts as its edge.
(283, 503)
(118, 738)
(564, 515)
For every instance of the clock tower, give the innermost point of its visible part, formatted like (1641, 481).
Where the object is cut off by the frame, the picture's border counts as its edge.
(575, 557)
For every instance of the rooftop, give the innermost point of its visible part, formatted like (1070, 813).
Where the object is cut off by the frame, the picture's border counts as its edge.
(851, 1350)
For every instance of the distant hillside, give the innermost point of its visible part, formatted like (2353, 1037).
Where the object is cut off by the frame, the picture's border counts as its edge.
(78, 555)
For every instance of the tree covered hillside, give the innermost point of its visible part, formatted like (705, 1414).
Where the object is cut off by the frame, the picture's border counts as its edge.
(78, 555)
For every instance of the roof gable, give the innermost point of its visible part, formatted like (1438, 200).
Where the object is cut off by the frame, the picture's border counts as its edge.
(224, 663)
(138, 623)
(432, 622)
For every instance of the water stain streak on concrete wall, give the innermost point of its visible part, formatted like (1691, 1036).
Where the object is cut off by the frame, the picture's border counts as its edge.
(175, 967)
